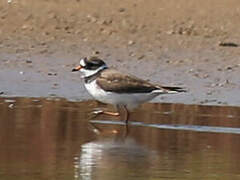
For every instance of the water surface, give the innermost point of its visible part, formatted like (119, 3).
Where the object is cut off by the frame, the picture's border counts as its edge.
(54, 139)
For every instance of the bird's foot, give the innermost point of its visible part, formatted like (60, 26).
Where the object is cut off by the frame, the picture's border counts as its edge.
(99, 111)
(111, 113)
(95, 113)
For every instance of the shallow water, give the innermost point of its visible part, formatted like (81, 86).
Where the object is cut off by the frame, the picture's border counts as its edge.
(54, 139)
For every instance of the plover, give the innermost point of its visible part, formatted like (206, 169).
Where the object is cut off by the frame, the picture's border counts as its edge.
(110, 86)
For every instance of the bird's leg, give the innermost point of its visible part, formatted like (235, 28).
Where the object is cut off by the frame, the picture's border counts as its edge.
(121, 111)
(111, 113)
(125, 113)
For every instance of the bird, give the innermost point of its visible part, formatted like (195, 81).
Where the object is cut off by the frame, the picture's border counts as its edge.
(111, 86)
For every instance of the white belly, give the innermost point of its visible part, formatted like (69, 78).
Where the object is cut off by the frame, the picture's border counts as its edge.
(130, 100)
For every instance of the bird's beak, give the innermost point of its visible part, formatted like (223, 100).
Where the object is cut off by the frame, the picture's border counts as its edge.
(77, 68)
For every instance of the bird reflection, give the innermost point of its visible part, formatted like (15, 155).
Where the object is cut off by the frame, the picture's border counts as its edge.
(117, 133)
(112, 149)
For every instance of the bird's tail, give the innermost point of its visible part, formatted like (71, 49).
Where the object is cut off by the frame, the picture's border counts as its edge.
(171, 89)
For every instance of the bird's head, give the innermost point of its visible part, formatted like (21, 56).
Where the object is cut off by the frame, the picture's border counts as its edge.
(90, 66)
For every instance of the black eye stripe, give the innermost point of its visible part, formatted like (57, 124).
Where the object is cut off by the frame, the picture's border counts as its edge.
(94, 64)
(91, 66)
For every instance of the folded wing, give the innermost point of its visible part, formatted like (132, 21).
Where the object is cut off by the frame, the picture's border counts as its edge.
(114, 81)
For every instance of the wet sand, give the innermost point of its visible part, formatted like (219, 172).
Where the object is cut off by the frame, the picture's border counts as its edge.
(174, 43)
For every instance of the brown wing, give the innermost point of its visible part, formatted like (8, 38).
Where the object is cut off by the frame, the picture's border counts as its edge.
(112, 80)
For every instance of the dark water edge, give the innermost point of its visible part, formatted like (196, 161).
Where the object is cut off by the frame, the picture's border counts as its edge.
(54, 139)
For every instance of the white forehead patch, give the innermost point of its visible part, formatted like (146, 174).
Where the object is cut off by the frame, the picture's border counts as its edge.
(82, 63)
